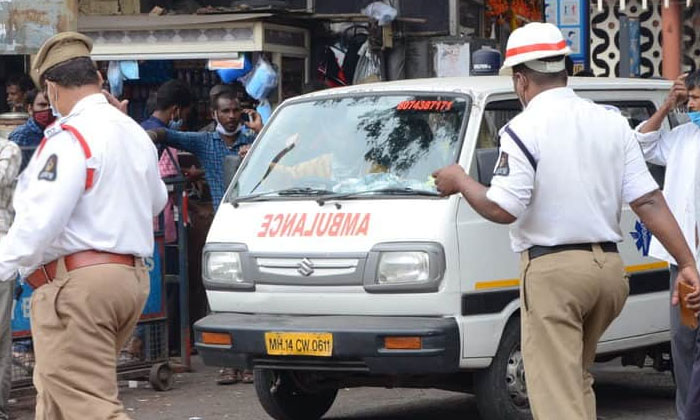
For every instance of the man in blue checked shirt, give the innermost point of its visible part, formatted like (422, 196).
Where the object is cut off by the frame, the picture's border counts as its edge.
(233, 135)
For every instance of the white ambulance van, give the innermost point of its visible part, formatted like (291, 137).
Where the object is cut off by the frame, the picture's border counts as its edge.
(333, 262)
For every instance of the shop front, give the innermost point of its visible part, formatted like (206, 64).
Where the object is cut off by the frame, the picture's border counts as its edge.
(189, 48)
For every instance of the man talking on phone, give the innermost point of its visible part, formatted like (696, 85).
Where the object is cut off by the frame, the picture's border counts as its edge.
(678, 151)
(233, 132)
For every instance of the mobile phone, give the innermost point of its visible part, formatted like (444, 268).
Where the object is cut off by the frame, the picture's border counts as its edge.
(688, 317)
(245, 117)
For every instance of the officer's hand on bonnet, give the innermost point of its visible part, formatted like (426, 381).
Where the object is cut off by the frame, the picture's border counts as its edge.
(449, 180)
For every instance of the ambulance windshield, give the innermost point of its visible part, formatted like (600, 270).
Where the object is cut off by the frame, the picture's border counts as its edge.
(355, 144)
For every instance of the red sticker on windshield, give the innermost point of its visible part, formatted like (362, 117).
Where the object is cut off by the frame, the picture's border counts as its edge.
(424, 105)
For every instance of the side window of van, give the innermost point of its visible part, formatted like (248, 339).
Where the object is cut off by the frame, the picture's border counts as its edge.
(498, 113)
(637, 112)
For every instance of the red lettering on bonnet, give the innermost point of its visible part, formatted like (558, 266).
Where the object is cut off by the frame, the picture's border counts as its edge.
(416, 105)
(318, 225)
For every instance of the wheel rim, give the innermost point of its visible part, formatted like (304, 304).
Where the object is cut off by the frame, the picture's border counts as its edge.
(515, 379)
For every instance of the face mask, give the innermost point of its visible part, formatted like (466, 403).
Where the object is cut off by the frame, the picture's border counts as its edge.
(695, 117)
(44, 118)
(54, 110)
(221, 130)
(175, 125)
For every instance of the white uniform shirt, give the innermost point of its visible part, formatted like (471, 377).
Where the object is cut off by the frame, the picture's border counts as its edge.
(679, 151)
(588, 163)
(56, 216)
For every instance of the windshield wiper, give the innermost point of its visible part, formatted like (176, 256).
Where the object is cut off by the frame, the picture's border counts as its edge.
(389, 191)
(296, 191)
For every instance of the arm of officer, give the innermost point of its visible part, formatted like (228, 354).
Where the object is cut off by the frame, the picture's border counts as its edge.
(10, 160)
(43, 202)
(511, 185)
(646, 200)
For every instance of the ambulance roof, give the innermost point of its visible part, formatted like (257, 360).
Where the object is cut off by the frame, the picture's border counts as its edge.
(478, 86)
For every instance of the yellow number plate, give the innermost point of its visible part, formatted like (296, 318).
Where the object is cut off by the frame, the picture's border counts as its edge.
(299, 344)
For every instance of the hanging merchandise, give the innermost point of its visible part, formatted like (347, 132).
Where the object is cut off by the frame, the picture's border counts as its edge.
(115, 78)
(380, 11)
(260, 82)
(265, 110)
(368, 67)
(118, 71)
(231, 70)
(330, 68)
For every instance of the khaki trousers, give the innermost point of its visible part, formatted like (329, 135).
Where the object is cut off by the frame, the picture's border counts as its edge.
(80, 321)
(568, 300)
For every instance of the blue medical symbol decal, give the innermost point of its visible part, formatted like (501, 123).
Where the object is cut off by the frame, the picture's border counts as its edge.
(642, 237)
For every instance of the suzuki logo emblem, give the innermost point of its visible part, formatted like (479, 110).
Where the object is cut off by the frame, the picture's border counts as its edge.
(305, 267)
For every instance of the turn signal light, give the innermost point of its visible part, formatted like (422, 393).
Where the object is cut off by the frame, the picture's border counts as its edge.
(403, 343)
(219, 339)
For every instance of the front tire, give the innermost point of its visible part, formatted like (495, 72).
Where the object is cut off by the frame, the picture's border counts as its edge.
(500, 390)
(282, 397)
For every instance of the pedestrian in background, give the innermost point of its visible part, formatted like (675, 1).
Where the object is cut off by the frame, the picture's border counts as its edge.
(231, 135)
(10, 160)
(173, 104)
(84, 209)
(212, 147)
(679, 151)
(566, 166)
(28, 135)
(16, 88)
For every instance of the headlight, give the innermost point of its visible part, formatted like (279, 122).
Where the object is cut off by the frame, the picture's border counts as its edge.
(224, 267)
(403, 267)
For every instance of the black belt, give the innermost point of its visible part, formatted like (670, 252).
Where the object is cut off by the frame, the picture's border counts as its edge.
(539, 251)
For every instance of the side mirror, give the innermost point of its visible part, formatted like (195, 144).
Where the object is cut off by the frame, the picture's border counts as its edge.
(485, 163)
(231, 164)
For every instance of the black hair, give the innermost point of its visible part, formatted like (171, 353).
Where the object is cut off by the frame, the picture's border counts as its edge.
(692, 80)
(540, 78)
(225, 95)
(30, 97)
(22, 81)
(173, 93)
(76, 72)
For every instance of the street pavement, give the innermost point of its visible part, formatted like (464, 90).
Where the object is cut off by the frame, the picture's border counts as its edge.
(623, 393)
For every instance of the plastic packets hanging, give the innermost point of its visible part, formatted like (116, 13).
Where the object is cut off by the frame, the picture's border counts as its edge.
(260, 82)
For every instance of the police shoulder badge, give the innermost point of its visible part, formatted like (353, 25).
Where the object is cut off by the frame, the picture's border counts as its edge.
(502, 168)
(48, 173)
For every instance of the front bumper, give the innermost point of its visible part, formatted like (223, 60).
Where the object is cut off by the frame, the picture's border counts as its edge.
(358, 343)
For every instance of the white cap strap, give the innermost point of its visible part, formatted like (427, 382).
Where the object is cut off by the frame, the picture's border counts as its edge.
(546, 66)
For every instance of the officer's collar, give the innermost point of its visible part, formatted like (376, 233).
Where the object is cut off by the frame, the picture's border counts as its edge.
(87, 102)
(549, 94)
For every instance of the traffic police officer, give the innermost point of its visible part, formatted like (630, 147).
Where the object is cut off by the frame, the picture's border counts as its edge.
(84, 209)
(566, 166)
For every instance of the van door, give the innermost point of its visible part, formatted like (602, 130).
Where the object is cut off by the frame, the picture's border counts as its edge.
(493, 267)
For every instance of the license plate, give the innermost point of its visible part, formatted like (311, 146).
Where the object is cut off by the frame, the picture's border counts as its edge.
(299, 344)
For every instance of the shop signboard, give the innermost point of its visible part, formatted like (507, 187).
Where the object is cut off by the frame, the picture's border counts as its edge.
(26, 24)
(154, 308)
(571, 16)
